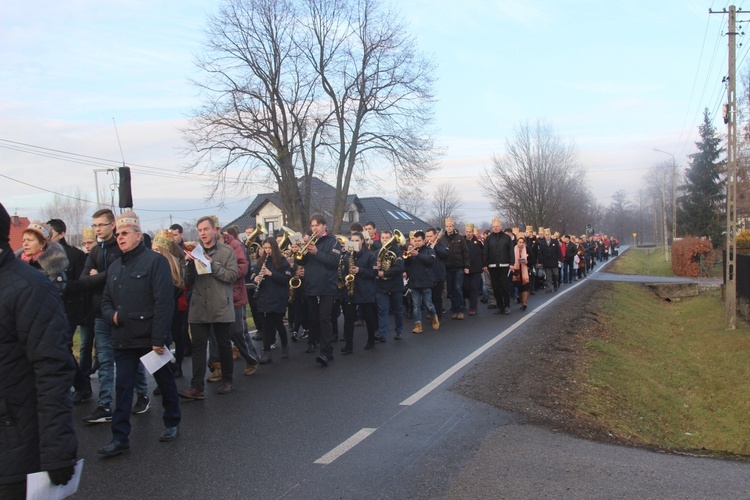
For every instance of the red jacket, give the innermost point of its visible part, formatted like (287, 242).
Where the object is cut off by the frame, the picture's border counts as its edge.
(239, 291)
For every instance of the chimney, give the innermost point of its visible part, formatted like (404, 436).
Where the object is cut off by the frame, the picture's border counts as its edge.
(16, 220)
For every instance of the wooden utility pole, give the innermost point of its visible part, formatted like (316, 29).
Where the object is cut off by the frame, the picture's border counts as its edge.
(730, 284)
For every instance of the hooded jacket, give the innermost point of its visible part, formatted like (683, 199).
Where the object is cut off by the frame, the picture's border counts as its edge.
(36, 374)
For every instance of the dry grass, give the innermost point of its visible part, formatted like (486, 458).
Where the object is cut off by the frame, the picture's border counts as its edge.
(668, 375)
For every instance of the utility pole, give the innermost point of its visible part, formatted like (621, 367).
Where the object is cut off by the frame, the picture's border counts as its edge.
(730, 284)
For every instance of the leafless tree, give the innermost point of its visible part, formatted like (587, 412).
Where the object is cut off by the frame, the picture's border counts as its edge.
(537, 181)
(379, 90)
(445, 203)
(74, 209)
(259, 100)
(411, 199)
(292, 84)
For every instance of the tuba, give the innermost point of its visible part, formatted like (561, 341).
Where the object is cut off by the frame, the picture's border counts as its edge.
(386, 256)
(285, 241)
(252, 245)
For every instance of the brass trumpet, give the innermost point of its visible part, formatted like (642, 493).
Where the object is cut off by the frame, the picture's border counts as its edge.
(303, 251)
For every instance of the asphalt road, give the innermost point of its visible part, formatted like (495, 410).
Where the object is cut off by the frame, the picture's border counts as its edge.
(288, 431)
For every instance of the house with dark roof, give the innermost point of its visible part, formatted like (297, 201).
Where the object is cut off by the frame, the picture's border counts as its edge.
(17, 226)
(266, 209)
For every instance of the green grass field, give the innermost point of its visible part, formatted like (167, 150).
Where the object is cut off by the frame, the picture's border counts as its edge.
(669, 374)
(640, 262)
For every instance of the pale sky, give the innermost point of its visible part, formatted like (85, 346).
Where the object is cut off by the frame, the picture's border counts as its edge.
(617, 78)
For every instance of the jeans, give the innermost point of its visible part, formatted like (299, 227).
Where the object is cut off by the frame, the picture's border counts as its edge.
(103, 336)
(387, 302)
(87, 346)
(128, 366)
(473, 283)
(200, 339)
(455, 278)
(420, 295)
(568, 275)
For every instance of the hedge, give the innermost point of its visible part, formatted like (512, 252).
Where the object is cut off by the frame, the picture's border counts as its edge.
(686, 254)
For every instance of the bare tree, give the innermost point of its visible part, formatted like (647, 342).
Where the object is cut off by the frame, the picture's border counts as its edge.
(379, 90)
(74, 209)
(445, 203)
(411, 199)
(259, 103)
(537, 181)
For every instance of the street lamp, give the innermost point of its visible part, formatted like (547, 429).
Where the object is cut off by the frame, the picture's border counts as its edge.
(674, 193)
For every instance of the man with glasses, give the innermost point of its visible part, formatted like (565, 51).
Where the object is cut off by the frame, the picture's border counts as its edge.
(138, 303)
(94, 277)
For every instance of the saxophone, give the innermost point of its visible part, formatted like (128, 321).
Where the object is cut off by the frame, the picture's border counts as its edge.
(349, 280)
(294, 283)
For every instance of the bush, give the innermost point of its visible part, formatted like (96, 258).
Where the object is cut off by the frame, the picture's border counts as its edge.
(743, 241)
(686, 255)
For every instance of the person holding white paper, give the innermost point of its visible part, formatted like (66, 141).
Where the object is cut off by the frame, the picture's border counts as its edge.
(138, 302)
(36, 375)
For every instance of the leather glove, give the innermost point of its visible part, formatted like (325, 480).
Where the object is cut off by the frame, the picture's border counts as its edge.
(61, 476)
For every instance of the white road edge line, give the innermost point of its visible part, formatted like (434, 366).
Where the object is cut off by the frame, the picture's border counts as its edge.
(471, 357)
(347, 445)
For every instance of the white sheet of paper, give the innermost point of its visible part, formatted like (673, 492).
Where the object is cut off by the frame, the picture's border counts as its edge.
(153, 361)
(39, 486)
(199, 255)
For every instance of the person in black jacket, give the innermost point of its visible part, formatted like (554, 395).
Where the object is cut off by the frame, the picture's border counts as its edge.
(74, 298)
(435, 241)
(361, 264)
(473, 280)
(321, 261)
(272, 274)
(138, 303)
(456, 265)
(419, 263)
(549, 257)
(498, 257)
(390, 288)
(36, 374)
(94, 278)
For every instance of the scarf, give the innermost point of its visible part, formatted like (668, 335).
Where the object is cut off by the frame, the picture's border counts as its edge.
(521, 269)
(29, 259)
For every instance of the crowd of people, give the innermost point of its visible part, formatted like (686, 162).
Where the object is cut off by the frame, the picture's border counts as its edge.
(129, 295)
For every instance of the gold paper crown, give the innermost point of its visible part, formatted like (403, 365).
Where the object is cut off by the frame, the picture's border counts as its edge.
(89, 234)
(216, 220)
(469, 226)
(529, 229)
(163, 239)
(39, 228)
(128, 218)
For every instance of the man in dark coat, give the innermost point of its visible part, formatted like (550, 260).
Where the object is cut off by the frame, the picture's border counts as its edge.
(390, 287)
(419, 263)
(456, 266)
(498, 257)
(473, 280)
(549, 256)
(361, 264)
(35, 376)
(138, 303)
(435, 241)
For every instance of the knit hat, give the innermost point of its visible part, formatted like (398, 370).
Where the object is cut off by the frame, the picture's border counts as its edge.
(4, 227)
(89, 234)
(39, 228)
(128, 219)
(163, 239)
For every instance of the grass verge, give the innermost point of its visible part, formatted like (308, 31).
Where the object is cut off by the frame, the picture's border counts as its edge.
(667, 374)
(640, 262)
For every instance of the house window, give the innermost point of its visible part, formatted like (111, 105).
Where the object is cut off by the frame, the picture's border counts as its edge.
(392, 214)
(351, 215)
(270, 228)
(404, 215)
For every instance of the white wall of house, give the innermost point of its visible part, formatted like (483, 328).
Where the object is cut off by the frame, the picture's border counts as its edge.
(270, 216)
